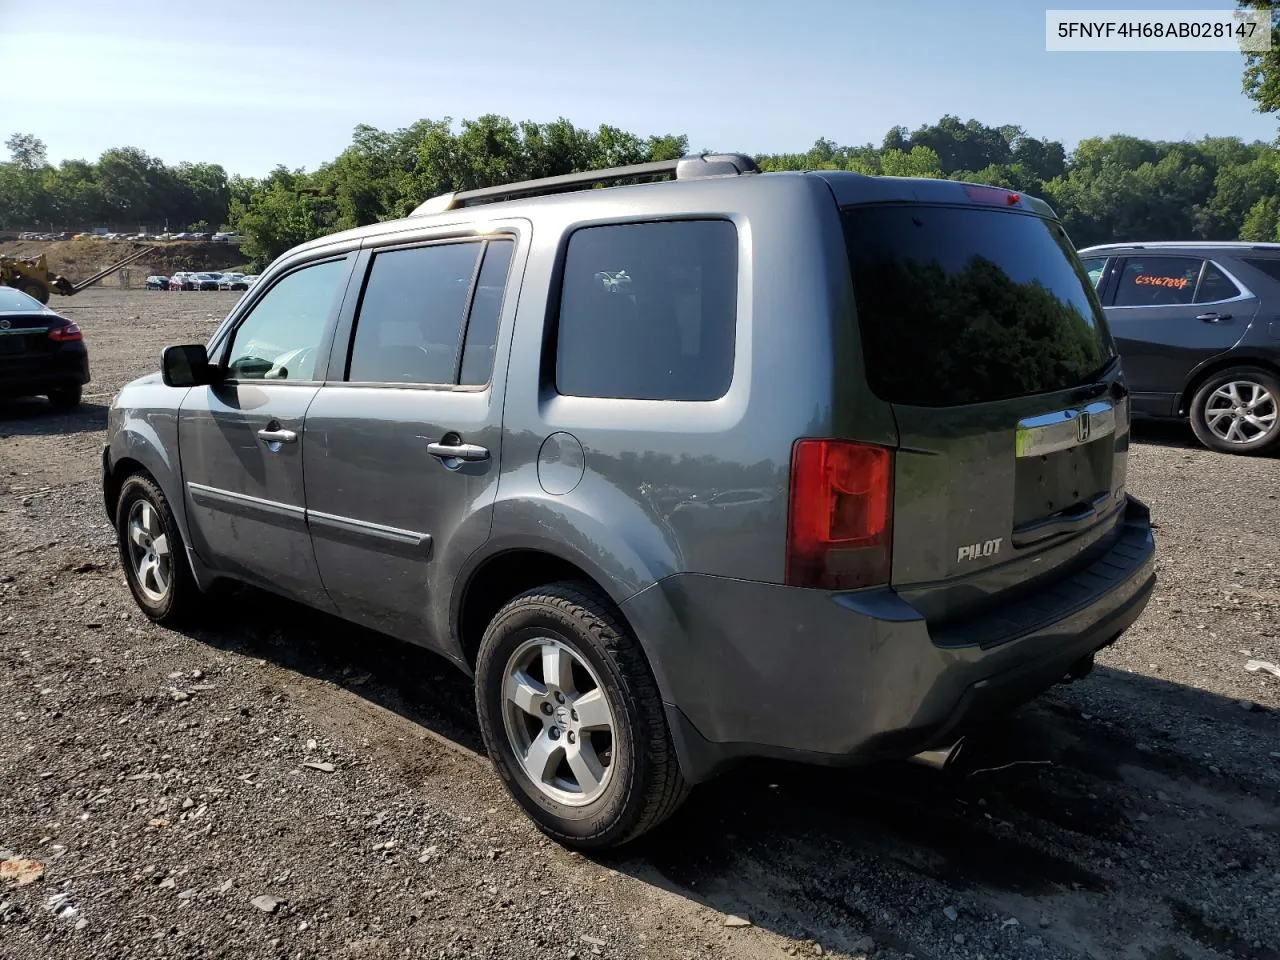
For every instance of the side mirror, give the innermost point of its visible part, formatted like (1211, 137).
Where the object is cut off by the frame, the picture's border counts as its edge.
(186, 366)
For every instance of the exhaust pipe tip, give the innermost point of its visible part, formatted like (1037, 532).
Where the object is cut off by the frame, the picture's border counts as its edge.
(942, 758)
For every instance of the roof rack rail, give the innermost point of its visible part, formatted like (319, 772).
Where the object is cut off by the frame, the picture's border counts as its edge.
(694, 167)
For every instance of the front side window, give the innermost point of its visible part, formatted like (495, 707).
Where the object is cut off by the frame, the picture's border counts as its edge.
(409, 328)
(280, 338)
(1158, 281)
(648, 311)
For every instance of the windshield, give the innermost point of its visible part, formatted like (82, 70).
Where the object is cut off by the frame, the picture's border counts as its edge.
(960, 305)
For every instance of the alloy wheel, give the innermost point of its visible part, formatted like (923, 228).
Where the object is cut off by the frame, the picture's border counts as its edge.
(1241, 411)
(558, 721)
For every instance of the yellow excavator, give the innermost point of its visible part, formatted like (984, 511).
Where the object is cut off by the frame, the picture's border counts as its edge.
(31, 275)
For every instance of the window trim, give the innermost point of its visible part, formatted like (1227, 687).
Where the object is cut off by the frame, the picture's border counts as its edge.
(548, 382)
(1245, 292)
(224, 340)
(471, 306)
(360, 282)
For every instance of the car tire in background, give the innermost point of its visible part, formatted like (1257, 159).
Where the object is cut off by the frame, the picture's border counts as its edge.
(153, 554)
(66, 398)
(1237, 410)
(573, 720)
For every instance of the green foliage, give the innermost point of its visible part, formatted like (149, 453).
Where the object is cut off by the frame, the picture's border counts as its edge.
(1111, 188)
(1262, 70)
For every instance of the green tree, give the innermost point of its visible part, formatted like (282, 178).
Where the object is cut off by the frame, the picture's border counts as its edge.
(1262, 70)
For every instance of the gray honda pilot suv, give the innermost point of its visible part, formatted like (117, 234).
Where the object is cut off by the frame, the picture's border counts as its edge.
(703, 465)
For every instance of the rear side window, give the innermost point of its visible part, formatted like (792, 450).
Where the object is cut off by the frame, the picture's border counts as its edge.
(1094, 266)
(1158, 281)
(960, 305)
(1270, 267)
(1215, 285)
(409, 328)
(648, 311)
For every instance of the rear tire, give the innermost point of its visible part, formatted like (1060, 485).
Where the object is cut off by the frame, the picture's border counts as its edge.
(608, 773)
(1238, 411)
(66, 398)
(153, 554)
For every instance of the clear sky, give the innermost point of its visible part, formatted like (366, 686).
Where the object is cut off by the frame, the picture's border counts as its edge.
(285, 81)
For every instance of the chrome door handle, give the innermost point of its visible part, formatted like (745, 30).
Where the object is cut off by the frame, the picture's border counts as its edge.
(1214, 317)
(277, 436)
(470, 452)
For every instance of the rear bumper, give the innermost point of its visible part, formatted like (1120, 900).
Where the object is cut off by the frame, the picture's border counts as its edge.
(752, 669)
(28, 376)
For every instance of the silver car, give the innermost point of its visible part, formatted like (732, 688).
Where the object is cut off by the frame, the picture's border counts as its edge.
(808, 465)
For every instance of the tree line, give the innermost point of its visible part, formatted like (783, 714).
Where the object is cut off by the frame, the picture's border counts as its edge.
(1109, 188)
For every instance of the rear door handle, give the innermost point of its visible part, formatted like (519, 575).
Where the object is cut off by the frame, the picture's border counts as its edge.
(1214, 317)
(277, 436)
(470, 452)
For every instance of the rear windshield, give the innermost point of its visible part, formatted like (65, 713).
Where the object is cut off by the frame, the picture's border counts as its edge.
(15, 301)
(961, 305)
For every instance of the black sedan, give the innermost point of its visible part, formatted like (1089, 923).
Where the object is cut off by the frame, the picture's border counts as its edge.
(207, 281)
(41, 352)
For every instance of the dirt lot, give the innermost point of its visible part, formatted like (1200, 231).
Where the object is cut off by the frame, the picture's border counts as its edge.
(160, 778)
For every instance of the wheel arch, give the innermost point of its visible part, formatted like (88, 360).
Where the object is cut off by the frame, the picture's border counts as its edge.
(1216, 366)
(502, 572)
(137, 447)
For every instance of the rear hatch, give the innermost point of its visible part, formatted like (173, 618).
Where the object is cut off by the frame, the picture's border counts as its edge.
(981, 330)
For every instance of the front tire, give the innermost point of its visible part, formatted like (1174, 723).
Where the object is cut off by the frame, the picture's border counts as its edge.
(573, 721)
(153, 554)
(1238, 411)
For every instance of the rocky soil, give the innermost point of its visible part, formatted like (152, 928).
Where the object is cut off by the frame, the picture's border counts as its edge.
(277, 784)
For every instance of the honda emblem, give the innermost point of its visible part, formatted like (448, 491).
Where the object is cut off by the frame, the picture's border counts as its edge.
(1083, 427)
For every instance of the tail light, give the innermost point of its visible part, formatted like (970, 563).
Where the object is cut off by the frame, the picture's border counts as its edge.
(992, 195)
(840, 524)
(67, 333)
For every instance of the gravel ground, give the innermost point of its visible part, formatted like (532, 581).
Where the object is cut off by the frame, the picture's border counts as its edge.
(278, 784)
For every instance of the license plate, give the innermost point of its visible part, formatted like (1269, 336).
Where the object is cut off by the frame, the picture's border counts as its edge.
(11, 344)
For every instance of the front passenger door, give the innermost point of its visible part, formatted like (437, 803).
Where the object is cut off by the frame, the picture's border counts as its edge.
(241, 439)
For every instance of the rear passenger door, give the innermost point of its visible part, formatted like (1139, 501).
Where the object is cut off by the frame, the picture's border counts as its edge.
(1169, 314)
(404, 438)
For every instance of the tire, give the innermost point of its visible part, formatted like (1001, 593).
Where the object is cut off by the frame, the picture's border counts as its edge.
(1258, 434)
(181, 597)
(640, 784)
(66, 398)
(32, 289)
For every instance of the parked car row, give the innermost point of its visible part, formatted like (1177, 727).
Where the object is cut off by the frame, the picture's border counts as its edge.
(202, 281)
(226, 236)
